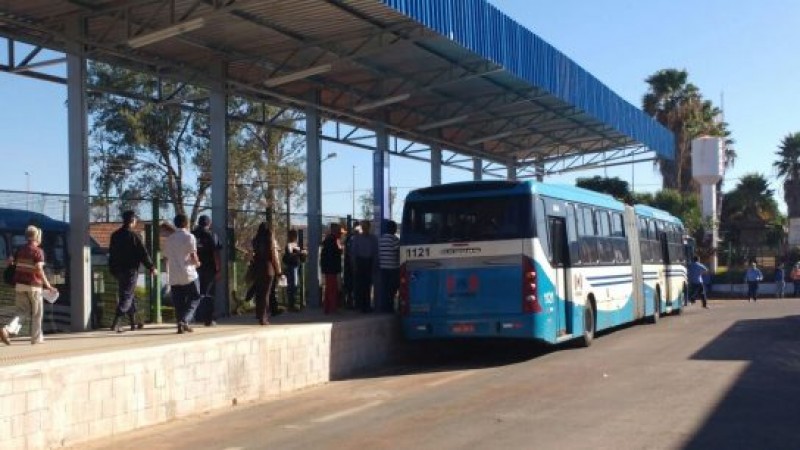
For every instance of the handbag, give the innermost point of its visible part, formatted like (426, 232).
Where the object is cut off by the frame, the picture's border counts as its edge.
(10, 271)
(250, 274)
(8, 274)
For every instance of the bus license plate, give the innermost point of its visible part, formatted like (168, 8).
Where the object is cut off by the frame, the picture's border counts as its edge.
(464, 328)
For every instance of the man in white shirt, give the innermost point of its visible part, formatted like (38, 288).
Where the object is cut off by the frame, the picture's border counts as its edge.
(180, 249)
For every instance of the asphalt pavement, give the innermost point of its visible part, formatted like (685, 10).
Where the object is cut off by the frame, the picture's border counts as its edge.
(726, 377)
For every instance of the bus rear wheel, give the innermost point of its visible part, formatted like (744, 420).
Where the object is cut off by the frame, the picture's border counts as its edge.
(588, 326)
(656, 309)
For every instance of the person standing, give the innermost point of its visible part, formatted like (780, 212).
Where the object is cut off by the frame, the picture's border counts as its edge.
(696, 285)
(780, 281)
(795, 276)
(330, 264)
(365, 264)
(347, 269)
(180, 249)
(208, 251)
(125, 253)
(293, 255)
(753, 276)
(29, 280)
(267, 269)
(389, 261)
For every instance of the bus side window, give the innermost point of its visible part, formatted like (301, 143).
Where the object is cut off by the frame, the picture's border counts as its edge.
(541, 227)
(572, 236)
(4, 253)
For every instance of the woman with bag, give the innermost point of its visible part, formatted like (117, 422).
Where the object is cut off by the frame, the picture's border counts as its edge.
(267, 269)
(29, 283)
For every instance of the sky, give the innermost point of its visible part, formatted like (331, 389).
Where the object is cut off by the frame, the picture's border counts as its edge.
(742, 55)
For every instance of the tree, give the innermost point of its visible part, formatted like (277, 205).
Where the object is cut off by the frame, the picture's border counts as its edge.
(788, 168)
(366, 201)
(266, 168)
(615, 187)
(150, 148)
(749, 212)
(679, 106)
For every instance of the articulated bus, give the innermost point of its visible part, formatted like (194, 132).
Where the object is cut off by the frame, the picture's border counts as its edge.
(534, 261)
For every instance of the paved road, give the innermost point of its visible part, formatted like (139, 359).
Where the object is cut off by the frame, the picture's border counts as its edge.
(728, 377)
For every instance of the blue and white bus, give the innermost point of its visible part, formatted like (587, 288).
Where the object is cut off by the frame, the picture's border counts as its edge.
(538, 261)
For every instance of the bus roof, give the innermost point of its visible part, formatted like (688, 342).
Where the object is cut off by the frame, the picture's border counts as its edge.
(649, 211)
(472, 189)
(19, 219)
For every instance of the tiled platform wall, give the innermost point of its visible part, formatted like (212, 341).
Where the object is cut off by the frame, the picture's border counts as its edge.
(64, 401)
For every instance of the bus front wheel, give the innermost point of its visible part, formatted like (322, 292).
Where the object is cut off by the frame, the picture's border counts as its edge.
(588, 325)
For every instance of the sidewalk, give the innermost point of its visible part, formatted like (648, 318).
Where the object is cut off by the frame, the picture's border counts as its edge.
(104, 340)
(81, 386)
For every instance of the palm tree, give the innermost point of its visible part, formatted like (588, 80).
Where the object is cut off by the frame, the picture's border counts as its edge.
(679, 106)
(749, 210)
(788, 167)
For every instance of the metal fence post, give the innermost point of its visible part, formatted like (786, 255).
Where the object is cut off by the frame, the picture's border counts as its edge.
(155, 294)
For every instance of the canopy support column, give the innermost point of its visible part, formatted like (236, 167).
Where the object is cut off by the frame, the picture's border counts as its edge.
(218, 111)
(80, 269)
(314, 202)
(436, 165)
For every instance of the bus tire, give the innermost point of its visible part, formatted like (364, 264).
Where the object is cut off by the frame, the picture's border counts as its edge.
(656, 308)
(684, 293)
(588, 325)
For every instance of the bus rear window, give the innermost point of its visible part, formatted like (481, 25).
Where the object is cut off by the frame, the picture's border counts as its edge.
(458, 220)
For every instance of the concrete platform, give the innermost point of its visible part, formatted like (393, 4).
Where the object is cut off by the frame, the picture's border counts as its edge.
(81, 386)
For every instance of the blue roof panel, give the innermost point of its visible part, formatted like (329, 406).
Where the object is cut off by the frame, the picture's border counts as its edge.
(483, 29)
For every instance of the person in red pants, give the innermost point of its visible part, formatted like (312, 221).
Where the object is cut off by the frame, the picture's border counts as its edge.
(330, 264)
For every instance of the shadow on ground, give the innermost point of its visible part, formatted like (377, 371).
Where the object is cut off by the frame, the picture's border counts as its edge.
(760, 411)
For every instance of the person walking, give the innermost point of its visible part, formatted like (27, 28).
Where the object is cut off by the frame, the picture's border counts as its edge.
(330, 264)
(696, 285)
(753, 276)
(180, 249)
(365, 265)
(389, 261)
(29, 281)
(126, 252)
(347, 268)
(208, 252)
(293, 256)
(795, 276)
(267, 269)
(780, 281)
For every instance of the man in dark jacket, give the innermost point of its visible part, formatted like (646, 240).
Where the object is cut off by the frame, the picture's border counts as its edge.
(125, 253)
(208, 248)
(330, 264)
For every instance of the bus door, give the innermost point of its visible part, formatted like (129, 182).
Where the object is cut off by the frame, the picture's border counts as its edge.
(560, 247)
(667, 297)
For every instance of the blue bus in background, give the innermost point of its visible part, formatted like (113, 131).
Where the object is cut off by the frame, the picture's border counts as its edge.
(529, 260)
(54, 244)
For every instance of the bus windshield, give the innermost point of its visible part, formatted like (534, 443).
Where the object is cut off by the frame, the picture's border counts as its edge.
(474, 219)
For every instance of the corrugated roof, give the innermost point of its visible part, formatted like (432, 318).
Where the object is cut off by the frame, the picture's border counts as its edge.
(457, 73)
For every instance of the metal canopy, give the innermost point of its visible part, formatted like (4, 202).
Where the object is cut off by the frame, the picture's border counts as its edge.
(453, 73)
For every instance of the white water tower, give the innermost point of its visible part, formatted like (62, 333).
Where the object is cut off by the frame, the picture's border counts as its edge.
(707, 169)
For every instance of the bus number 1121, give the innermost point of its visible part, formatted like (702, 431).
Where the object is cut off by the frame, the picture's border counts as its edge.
(418, 252)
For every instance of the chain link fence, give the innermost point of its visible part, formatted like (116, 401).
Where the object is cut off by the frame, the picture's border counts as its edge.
(49, 210)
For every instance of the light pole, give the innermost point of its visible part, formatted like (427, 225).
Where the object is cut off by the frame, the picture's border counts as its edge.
(353, 192)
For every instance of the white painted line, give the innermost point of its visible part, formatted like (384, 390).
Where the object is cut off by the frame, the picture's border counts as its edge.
(446, 380)
(347, 412)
